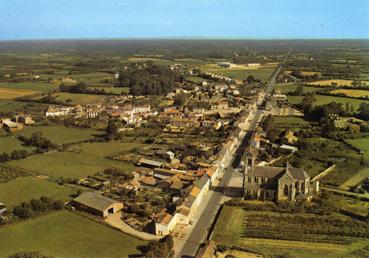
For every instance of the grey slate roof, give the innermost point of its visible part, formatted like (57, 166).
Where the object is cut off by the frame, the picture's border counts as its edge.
(95, 201)
(202, 181)
(272, 172)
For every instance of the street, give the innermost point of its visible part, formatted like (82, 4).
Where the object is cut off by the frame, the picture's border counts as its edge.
(196, 234)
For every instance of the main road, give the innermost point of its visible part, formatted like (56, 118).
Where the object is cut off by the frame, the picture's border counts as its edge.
(187, 245)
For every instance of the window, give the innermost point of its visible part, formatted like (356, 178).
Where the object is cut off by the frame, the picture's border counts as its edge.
(285, 190)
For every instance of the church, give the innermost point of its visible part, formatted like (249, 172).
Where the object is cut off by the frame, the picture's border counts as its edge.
(277, 183)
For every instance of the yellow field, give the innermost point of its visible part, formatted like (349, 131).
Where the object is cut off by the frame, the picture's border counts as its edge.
(339, 82)
(352, 93)
(14, 93)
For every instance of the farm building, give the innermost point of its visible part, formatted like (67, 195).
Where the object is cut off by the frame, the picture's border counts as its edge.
(97, 204)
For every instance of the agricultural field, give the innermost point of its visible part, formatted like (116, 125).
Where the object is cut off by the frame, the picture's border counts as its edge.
(290, 122)
(34, 86)
(104, 149)
(335, 82)
(24, 189)
(352, 93)
(362, 144)
(6, 93)
(259, 73)
(68, 165)
(291, 87)
(60, 134)
(321, 100)
(271, 233)
(8, 144)
(75, 98)
(9, 173)
(65, 234)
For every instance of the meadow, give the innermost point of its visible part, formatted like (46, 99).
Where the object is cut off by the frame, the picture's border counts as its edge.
(34, 86)
(75, 98)
(262, 73)
(8, 144)
(246, 228)
(65, 234)
(291, 87)
(60, 134)
(321, 100)
(290, 122)
(6, 93)
(104, 149)
(68, 165)
(24, 189)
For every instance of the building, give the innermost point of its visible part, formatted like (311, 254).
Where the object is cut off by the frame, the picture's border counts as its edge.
(12, 127)
(164, 223)
(276, 183)
(97, 204)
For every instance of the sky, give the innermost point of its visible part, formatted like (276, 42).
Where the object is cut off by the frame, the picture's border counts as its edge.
(65, 19)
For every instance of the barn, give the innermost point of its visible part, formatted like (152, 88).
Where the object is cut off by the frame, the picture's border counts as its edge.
(97, 204)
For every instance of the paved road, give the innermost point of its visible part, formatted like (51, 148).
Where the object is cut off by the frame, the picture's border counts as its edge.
(187, 246)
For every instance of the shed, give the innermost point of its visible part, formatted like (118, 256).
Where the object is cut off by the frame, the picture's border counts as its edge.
(97, 204)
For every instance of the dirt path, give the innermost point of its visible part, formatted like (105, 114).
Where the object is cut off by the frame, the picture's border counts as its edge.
(115, 221)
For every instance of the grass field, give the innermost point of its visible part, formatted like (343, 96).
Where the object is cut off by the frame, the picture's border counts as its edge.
(291, 87)
(65, 234)
(321, 99)
(352, 93)
(290, 121)
(62, 135)
(231, 232)
(68, 165)
(363, 144)
(9, 144)
(26, 188)
(6, 93)
(262, 73)
(34, 86)
(336, 82)
(104, 149)
(7, 105)
(82, 99)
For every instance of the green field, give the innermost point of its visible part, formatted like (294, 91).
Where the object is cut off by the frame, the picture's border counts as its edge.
(289, 121)
(261, 73)
(321, 100)
(7, 106)
(363, 144)
(36, 86)
(68, 165)
(288, 87)
(233, 232)
(65, 234)
(104, 149)
(8, 144)
(81, 99)
(26, 188)
(62, 135)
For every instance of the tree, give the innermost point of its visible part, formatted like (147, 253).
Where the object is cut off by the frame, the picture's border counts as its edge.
(299, 89)
(347, 108)
(363, 111)
(250, 79)
(307, 103)
(180, 99)
(28, 255)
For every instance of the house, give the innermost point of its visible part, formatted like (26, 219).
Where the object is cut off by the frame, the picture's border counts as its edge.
(150, 163)
(164, 223)
(276, 183)
(97, 204)
(12, 127)
(24, 119)
(226, 64)
(57, 110)
(2, 208)
(253, 64)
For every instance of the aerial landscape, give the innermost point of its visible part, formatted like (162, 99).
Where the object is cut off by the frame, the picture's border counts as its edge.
(228, 139)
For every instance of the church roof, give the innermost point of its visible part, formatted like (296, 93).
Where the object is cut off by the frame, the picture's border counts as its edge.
(272, 172)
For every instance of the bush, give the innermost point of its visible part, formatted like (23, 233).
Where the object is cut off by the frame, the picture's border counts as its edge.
(28, 255)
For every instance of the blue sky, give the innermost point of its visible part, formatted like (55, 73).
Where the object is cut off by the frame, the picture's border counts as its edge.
(45, 19)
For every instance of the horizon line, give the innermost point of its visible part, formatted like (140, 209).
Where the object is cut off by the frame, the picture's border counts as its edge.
(184, 38)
